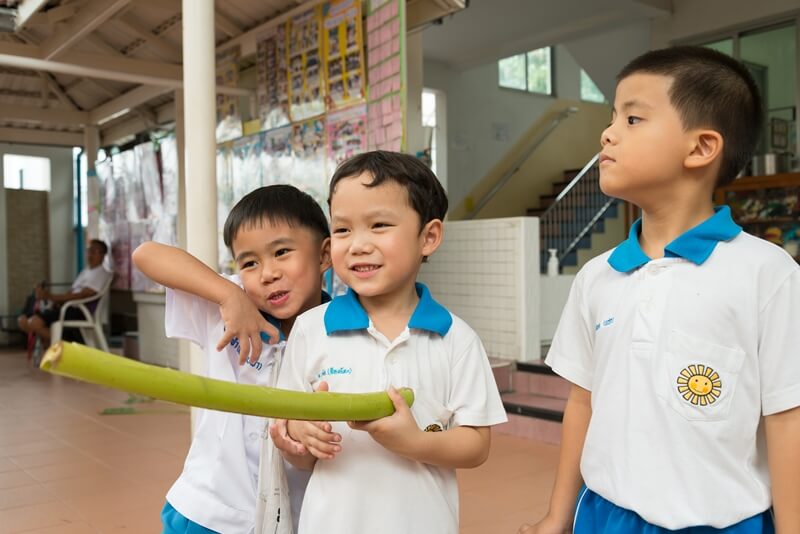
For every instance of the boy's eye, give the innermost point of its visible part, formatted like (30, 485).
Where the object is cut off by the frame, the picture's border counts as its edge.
(381, 225)
(339, 230)
(247, 264)
(282, 251)
(633, 120)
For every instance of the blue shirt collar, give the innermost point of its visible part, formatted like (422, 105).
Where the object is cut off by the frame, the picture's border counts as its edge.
(695, 245)
(346, 313)
(277, 322)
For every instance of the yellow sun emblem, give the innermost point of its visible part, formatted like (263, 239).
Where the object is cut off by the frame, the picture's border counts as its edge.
(699, 384)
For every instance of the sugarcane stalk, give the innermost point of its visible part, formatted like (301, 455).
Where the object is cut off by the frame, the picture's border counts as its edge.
(91, 365)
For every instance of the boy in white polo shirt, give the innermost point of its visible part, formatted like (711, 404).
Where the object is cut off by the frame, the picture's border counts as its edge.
(396, 474)
(280, 240)
(681, 343)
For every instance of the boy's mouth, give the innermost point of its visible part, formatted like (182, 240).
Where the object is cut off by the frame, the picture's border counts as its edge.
(278, 297)
(364, 269)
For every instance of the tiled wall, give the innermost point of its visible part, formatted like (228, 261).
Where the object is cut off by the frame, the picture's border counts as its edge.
(487, 273)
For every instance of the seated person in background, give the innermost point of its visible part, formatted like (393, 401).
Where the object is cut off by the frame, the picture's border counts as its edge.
(89, 282)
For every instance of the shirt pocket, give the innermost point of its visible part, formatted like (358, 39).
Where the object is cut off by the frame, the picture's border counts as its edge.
(698, 378)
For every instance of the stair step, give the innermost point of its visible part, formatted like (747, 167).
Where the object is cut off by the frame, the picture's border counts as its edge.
(533, 405)
(503, 371)
(550, 385)
(533, 428)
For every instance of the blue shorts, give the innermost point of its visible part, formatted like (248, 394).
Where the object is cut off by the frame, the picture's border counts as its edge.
(596, 515)
(175, 523)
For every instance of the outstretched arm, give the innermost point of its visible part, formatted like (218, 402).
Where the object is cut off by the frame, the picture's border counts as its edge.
(783, 454)
(177, 269)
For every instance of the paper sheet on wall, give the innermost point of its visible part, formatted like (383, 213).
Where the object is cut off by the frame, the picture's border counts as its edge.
(344, 53)
(229, 119)
(273, 78)
(385, 61)
(306, 88)
(346, 135)
(276, 156)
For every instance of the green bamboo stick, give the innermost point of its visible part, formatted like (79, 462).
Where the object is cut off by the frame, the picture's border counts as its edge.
(98, 367)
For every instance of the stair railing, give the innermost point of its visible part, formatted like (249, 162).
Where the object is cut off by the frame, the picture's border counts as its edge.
(573, 213)
(512, 170)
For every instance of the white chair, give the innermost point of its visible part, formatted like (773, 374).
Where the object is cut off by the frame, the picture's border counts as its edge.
(91, 326)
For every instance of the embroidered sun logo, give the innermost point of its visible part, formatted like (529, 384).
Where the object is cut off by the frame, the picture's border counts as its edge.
(699, 384)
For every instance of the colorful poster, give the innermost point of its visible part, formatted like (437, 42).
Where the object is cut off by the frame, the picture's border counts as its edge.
(306, 88)
(229, 120)
(308, 148)
(273, 78)
(385, 58)
(347, 135)
(344, 53)
(276, 156)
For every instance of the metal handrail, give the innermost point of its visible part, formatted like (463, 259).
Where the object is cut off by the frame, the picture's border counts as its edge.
(572, 183)
(519, 162)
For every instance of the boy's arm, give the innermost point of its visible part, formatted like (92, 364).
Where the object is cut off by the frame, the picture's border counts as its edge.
(460, 447)
(568, 476)
(783, 454)
(177, 269)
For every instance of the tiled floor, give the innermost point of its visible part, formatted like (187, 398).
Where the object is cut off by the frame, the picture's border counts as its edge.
(65, 469)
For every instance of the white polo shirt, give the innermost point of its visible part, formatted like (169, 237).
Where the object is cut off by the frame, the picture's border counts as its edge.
(366, 488)
(94, 278)
(218, 486)
(683, 356)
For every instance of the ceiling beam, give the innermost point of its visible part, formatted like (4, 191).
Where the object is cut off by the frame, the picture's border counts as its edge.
(154, 42)
(127, 101)
(38, 115)
(40, 137)
(226, 25)
(26, 9)
(85, 22)
(54, 86)
(121, 69)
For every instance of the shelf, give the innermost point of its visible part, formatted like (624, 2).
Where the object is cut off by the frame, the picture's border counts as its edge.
(771, 220)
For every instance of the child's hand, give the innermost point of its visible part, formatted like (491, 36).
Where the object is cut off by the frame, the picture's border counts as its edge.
(545, 526)
(396, 432)
(316, 436)
(244, 321)
(279, 433)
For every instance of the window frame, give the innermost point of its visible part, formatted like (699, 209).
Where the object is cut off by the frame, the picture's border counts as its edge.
(551, 73)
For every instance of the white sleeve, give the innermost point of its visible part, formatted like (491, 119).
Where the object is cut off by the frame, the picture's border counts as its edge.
(292, 374)
(570, 354)
(186, 316)
(778, 348)
(474, 397)
(97, 279)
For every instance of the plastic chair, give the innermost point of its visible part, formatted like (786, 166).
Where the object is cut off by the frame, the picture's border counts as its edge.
(91, 326)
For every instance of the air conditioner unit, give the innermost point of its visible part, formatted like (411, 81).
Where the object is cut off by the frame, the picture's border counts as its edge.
(420, 13)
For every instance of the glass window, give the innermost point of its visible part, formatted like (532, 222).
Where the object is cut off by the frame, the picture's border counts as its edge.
(532, 71)
(725, 46)
(539, 69)
(512, 72)
(26, 172)
(590, 91)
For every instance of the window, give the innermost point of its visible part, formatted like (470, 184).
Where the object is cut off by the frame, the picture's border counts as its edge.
(26, 172)
(590, 91)
(429, 124)
(531, 71)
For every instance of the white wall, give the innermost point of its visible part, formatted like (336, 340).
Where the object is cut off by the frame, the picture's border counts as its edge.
(62, 237)
(603, 55)
(484, 121)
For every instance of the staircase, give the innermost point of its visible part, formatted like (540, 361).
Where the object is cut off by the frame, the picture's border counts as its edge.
(575, 209)
(534, 398)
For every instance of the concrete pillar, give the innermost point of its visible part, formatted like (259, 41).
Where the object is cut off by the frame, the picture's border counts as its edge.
(91, 144)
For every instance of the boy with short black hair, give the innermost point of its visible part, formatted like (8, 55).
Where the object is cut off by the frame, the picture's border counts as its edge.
(395, 475)
(280, 241)
(681, 342)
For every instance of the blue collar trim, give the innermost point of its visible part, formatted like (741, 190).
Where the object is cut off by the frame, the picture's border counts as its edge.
(695, 245)
(346, 313)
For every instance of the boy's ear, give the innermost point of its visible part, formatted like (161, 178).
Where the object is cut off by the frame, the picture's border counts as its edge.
(325, 255)
(706, 148)
(431, 236)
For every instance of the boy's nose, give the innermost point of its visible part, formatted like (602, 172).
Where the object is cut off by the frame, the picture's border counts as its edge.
(359, 245)
(269, 273)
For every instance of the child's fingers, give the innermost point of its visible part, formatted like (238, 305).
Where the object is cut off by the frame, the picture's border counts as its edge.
(255, 348)
(244, 349)
(226, 338)
(322, 449)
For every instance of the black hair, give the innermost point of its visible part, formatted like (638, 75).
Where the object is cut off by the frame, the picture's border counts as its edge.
(709, 90)
(99, 244)
(276, 204)
(425, 193)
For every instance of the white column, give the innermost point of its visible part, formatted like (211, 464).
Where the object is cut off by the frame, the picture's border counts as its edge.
(199, 142)
(180, 149)
(91, 144)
